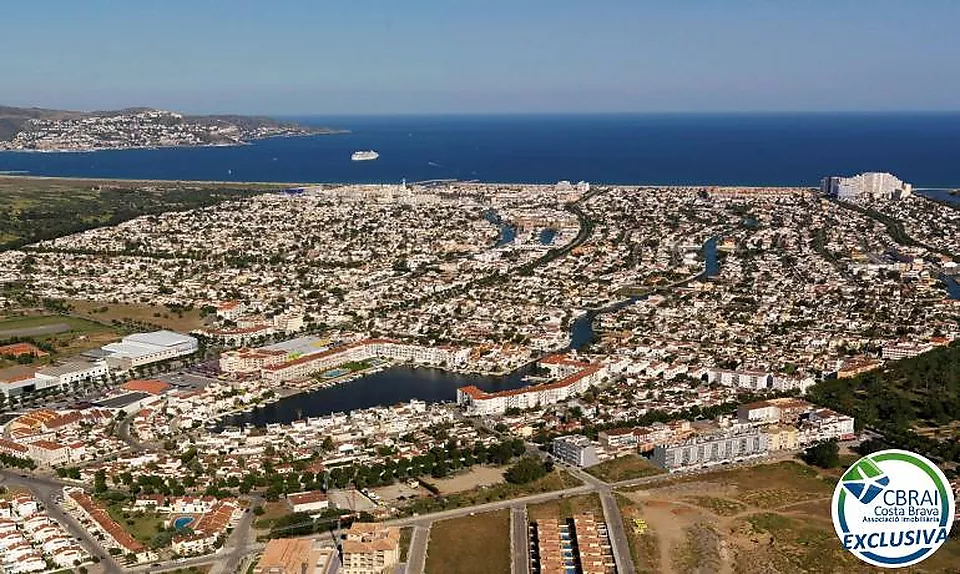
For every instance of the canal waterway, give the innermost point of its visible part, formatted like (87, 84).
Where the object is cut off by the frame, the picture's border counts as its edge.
(388, 387)
(507, 232)
(402, 383)
(952, 283)
(547, 236)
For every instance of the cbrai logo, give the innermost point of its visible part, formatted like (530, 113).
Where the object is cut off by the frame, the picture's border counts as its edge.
(893, 508)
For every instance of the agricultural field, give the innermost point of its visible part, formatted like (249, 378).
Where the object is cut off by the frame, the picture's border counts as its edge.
(454, 547)
(767, 518)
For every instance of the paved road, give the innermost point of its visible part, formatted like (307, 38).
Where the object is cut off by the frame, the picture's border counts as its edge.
(417, 554)
(188, 562)
(50, 329)
(45, 490)
(613, 520)
(519, 540)
(123, 432)
(233, 551)
(618, 534)
(426, 519)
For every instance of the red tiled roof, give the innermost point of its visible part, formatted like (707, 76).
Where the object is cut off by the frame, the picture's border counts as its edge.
(306, 497)
(19, 349)
(48, 445)
(476, 393)
(9, 445)
(152, 386)
(63, 420)
(100, 516)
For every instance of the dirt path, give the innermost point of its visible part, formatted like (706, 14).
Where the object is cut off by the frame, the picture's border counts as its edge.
(671, 520)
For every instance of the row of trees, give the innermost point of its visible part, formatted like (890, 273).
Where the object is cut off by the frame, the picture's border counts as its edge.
(437, 462)
(11, 461)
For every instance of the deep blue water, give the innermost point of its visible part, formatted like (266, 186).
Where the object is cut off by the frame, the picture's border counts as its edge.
(774, 149)
(710, 264)
(391, 386)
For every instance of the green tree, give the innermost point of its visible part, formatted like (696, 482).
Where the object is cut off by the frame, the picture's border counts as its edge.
(100, 482)
(824, 454)
(527, 469)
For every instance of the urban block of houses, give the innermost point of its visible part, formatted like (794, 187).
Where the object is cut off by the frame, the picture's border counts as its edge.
(29, 538)
(275, 370)
(369, 548)
(577, 377)
(96, 518)
(720, 447)
(577, 450)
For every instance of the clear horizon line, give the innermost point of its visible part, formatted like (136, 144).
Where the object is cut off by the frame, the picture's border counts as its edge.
(677, 112)
(595, 113)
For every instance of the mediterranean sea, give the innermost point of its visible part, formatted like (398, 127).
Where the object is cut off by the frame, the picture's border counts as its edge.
(661, 149)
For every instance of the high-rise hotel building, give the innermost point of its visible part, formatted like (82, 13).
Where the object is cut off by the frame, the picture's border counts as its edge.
(866, 186)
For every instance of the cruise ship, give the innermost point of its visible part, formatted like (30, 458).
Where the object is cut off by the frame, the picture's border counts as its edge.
(364, 155)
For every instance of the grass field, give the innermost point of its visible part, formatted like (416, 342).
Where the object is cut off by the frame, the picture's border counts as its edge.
(68, 335)
(272, 511)
(624, 468)
(160, 316)
(470, 545)
(557, 480)
(31, 321)
(141, 525)
(767, 518)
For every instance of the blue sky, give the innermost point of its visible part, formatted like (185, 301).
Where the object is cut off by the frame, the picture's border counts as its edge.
(453, 56)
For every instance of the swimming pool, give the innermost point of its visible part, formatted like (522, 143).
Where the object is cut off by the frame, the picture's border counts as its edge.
(182, 522)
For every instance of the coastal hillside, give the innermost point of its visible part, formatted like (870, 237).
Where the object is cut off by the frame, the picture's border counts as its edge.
(37, 129)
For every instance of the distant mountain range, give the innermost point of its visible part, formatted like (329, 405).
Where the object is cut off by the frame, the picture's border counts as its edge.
(36, 129)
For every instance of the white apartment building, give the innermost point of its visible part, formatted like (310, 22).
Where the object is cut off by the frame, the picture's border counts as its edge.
(477, 402)
(825, 424)
(870, 185)
(577, 450)
(899, 351)
(250, 360)
(302, 367)
(370, 548)
(753, 380)
(712, 449)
